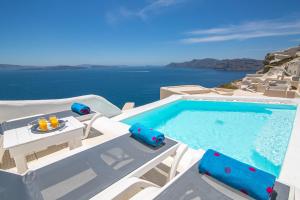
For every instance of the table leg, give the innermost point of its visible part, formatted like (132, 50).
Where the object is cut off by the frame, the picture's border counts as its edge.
(74, 143)
(21, 163)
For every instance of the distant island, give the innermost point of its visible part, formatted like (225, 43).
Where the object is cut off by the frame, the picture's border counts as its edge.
(242, 64)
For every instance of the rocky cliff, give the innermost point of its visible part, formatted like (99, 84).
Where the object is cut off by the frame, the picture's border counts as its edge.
(276, 64)
(288, 60)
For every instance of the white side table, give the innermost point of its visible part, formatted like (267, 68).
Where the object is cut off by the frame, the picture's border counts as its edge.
(21, 141)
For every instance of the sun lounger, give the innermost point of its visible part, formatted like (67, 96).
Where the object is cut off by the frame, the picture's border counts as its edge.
(85, 174)
(27, 111)
(93, 120)
(130, 186)
(21, 122)
(104, 125)
(192, 185)
(18, 109)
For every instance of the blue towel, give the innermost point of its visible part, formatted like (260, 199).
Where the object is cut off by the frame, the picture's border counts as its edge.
(245, 178)
(147, 135)
(81, 109)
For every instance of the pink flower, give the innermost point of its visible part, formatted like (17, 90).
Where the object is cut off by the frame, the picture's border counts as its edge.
(227, 170)
(252, 169)
(269, 190)
(216, 154)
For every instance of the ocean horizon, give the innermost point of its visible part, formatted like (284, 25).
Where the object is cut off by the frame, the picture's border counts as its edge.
(119, 85)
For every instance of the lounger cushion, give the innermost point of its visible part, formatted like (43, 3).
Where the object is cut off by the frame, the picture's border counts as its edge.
(245, 178)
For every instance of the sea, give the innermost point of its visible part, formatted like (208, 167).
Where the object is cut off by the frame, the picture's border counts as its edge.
(117, 84)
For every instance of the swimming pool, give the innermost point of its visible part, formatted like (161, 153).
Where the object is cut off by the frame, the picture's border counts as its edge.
(254, 133)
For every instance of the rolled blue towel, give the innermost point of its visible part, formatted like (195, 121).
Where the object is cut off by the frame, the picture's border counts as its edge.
(81, 109)
(147, 135)
(245, 178)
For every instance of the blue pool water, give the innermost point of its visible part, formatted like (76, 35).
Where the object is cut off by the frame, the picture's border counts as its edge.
(257, 134)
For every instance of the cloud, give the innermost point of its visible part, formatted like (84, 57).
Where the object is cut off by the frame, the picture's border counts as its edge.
(114, 17)
(143, 13)
(244, 31)
(156, 6)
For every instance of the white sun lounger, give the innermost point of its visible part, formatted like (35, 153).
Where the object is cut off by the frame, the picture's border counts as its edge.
(82, 175)
(132, 183)
(11, 110)
(19, 113)
(192, 185)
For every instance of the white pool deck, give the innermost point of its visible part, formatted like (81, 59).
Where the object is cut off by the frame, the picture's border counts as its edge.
(290, 173)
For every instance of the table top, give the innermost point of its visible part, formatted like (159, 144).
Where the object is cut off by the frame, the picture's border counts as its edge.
(23, 135)
(18, 123)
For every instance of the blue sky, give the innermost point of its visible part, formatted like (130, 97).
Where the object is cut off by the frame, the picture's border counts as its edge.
(143, 32)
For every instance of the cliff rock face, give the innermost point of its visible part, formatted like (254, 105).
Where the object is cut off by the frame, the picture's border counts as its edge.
(243, 64)
(288, 60)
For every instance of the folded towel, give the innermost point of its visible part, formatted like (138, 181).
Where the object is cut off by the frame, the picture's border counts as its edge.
(147, 135)
(245, 178)
(81, 109)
